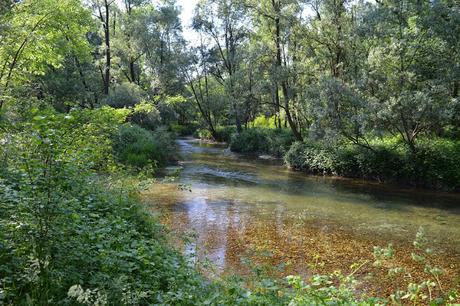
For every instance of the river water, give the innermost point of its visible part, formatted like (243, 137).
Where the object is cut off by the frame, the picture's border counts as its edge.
(238, 208)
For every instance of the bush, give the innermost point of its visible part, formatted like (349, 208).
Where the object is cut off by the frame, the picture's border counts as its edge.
(146, 115)
(203, 134)
(67, 236)
(310, 157)
(184, 130)
(250, 141)
(434, 164)
(262, 141)
(137, 147)
(125, 95)
(224, 133)
(263, 121)
(279, 141)
(119, 253)
(437, 163)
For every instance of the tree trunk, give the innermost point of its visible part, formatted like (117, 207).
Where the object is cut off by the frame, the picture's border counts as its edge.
(107, 48)
(279, 65)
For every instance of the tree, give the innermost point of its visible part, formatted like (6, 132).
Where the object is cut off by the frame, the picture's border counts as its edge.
(276, 19)
(40, 35)
(223, 22)
(409, 98)
(102, 10)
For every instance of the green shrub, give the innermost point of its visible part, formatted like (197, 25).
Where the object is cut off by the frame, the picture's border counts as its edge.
(310, 157)
(250, 141)
(184, 130)
(146, 115)
(437, 163)
(203, 134)
(263, 121)
(137, 147)
(90, 240)
(279, 141)
(125, 95)
(434, 164)
(164, 140)
(262, 141)
(68, 236)
(224, 133)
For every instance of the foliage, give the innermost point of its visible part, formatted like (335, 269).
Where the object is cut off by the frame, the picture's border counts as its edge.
(264, 122)
(139, 148)
(221, 133)
(434, 165)
(262, 141)
(367, 88)
(40, 35)
(124, 95)
(118, 253)
(416, 293)
(185, 130)
(310, 157)
(146, 115)
(52, 201)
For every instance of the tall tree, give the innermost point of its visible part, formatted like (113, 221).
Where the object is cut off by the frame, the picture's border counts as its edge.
(103, 10)
(224, 22)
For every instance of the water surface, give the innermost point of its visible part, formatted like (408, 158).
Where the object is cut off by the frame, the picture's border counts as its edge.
(240, 207)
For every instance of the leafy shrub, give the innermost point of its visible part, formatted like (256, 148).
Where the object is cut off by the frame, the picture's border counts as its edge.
(146, 115)
(250, 141)
(202, 134)
(125, 95)
(279, 141)
(164, 140)
(435, 163)
(139, 148)
(167, 112)
(118, 252)
(263, 121)
(185, 130)
(262, 141)
(310, 157)
(224, 133)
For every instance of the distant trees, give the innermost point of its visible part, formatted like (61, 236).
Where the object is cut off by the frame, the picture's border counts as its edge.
(322, 68)
(337, 68)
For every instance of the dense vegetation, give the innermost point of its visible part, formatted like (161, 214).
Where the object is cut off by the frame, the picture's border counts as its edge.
(93, 93)
(361, 77)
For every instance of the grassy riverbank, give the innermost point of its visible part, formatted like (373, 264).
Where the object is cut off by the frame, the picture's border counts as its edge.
(74, 230)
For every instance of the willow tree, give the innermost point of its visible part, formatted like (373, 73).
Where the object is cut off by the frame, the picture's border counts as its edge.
(224, 22)
(273, 20)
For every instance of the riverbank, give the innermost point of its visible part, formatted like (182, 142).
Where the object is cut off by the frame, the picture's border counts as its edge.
(69, 182)
(432, 164)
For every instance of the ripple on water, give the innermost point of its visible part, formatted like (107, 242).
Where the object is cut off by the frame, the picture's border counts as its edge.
(240, 206)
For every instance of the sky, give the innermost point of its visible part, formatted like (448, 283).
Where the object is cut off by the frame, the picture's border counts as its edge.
(186, 18)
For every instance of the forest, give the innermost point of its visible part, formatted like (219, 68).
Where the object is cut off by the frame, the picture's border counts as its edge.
(98, 98)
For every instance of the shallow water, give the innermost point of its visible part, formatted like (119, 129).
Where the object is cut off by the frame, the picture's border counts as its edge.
(238, 205)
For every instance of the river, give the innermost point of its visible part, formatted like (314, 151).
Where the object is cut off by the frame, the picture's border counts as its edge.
(239, 208)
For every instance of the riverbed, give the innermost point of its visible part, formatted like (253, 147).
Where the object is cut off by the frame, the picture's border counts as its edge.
(240, 211)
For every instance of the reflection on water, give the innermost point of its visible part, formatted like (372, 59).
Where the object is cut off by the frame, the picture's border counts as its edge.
(239, 205)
